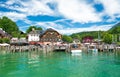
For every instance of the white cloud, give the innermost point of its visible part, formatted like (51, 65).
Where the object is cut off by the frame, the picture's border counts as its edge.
(32, 7)
(50, 25)
(13, 15)
(63, 30)
(111, 7)
(60, 28)
(10, 2)
(25, 8)
(78, 11)
(92, 28)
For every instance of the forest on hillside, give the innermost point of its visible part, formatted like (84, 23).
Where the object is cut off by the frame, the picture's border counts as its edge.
(112, 35)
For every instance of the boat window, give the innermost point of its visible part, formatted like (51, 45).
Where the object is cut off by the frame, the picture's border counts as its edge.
(74, 46)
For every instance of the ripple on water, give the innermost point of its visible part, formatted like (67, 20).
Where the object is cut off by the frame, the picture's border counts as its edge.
(59, 64)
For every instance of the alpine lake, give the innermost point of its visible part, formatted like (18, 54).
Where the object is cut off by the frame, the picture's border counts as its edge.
(59, 64)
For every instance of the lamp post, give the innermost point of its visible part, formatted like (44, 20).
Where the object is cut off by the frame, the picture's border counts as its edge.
(99, 37)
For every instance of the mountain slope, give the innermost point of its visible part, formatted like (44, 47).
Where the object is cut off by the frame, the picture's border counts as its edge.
(115, 29)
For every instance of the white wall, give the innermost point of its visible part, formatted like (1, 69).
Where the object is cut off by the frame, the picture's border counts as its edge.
(33, 37)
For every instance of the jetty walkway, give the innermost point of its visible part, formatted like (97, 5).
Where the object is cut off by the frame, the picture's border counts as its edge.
(44, 48)
(57, 48)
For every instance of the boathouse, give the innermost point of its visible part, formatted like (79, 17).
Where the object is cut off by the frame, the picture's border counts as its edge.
(50, 36)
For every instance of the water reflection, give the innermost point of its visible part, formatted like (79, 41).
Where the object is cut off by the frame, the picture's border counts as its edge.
(117, 58)
(61, 64)
(76, 54)
(95, 53)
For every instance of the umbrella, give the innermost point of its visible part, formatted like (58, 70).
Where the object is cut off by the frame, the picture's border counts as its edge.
(4, 44)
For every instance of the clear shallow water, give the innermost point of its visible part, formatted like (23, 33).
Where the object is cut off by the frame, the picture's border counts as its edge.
(59, 64)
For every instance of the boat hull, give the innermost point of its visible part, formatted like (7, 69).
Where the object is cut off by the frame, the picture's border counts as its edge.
(93, 50)
(76, 51)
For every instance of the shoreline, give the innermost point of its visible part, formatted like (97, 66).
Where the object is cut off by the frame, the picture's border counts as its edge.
(50, 48)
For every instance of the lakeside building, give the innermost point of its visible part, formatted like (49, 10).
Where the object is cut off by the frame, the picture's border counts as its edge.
(88, 39)
(50, 36)
(34, 36)
(4, 34)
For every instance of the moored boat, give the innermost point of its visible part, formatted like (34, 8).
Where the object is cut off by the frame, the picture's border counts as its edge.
(92, 48)
(75, 48)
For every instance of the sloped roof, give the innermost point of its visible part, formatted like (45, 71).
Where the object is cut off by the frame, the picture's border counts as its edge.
(50, 29)
(41, 32)
(36, 32)
(3, 33)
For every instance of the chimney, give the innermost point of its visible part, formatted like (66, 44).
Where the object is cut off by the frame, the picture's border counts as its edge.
(33, 29)
(0, 28)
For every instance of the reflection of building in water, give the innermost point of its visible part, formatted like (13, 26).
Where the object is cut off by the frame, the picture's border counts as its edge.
(33, 58)
(95, 53)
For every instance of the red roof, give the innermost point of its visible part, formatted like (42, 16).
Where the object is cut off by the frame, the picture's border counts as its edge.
(88, 39)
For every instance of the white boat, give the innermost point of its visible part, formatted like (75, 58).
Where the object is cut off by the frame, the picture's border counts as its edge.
(92, 48)
(75, 48)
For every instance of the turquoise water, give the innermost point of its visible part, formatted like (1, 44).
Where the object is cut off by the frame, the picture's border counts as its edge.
(59, 64)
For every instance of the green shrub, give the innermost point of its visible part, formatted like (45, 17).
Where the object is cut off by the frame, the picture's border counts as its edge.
(4, 40)
(1, 41)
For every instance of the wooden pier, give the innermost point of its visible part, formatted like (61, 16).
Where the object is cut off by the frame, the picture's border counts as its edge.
(44, 48)
(50, 48)
(108, 47)
(61, 48)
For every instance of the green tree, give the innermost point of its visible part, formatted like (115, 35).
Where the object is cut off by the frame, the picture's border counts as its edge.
(107, 38)
(115, 29)
(9, 26)
(1, 41)
(66, 38)
(31, 27)
(6, 40)
(76, 36)
(39, 28)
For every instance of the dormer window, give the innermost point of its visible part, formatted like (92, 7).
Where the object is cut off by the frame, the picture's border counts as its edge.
(52, 33)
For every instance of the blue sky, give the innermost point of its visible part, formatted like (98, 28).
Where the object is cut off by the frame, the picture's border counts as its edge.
(65, 16)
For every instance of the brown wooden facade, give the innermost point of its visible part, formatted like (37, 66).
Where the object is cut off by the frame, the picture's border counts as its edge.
(50, 36)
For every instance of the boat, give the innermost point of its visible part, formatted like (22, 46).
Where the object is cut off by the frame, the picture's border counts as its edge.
(75, 48)
(92, 48)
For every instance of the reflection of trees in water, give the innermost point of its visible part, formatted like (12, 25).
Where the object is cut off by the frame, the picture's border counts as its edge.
(117, 58)
(117, 54)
